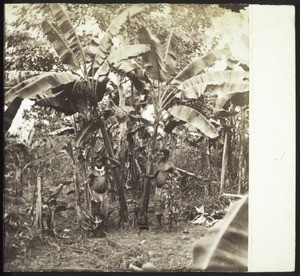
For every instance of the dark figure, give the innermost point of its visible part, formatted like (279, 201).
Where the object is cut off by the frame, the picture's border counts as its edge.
(163, 178)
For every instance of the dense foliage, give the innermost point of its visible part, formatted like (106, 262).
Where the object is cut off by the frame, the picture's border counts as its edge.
(111, 92)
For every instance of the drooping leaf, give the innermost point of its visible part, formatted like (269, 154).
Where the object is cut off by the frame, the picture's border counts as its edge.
(39, 85)
(64, 99)
(68, 31)
(154, 59)
(172, 125)
(60, 103)
(216, 77)
(194, 118)
(195, 91)
(168, 53)
(13, 78)
(225, 246)
(61, 47)
(86, 132)
(199, 64)
(240, 98)
(113, 29)
(127, 52)
(11, 112)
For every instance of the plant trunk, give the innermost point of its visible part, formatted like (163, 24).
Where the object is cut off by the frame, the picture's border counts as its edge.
(207, 155)
(39, 216)
(116, 174)
(77, 188)
(224, 162)
(149, 168)
(86, 188)
(241, 158)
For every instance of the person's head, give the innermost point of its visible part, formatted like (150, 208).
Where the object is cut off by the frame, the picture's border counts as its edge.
(164, 154)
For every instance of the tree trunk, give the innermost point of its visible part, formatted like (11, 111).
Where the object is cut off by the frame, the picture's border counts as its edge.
(38, 210)
(116, 174)
(149, 168)
(224, 162)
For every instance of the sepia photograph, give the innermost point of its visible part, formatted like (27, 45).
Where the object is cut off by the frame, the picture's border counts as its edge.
(126, 137)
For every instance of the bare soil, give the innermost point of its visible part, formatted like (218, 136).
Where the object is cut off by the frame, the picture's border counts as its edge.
(169, 250)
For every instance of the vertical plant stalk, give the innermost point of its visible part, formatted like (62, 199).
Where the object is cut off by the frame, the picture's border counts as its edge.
(207, 155)
(116, 174)
(149, 168)
(77, 188)
(39, 217)
(224, 161)
(86, 188)
(241, 132)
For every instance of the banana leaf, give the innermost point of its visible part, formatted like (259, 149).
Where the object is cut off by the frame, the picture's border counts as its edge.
(59, 103)
(11, 112)
(240, 98)
(86, 132)
(39, 85)
(127, 52)
(60, 45)
(199, 64)
(225, 247)
(169, 56)
(113, 29)
(195, 91)
(116, 59)
(154, 59)
(216, 77)
(194, 118)
(67, 29)
(13, 78)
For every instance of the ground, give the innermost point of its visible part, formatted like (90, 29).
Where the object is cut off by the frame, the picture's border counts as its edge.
(68, 251)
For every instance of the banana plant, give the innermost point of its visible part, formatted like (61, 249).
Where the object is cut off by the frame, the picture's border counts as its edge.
(81, 88)
(195, 80)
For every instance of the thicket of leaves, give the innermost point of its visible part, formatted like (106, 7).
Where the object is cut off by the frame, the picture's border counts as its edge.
(191, 149)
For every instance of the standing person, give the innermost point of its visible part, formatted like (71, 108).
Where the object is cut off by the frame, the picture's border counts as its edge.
(163, 178)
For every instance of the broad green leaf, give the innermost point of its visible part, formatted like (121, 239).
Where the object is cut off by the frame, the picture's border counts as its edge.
(194, 118)
(68, 31)
(195, 91)
(216, 77)
(113, 29)
(13, 78)
(11, 112)
(39, 85)
(86, 132)
(168, 53)
(59, 102)
(225, 246)
(154, 59)
(127, 52)
(60, 45)
(199, 64)
(240, 99)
